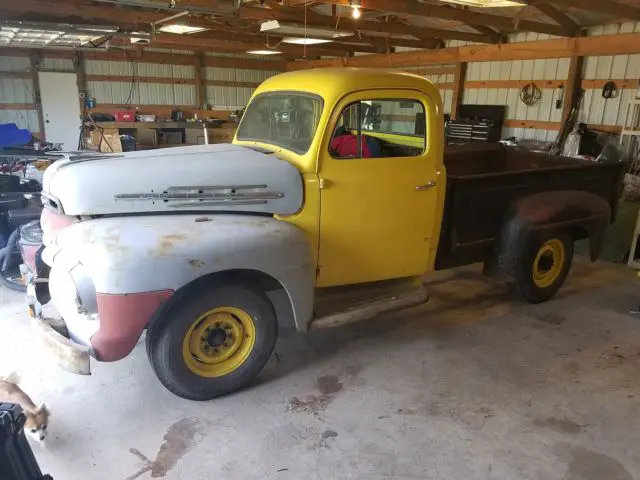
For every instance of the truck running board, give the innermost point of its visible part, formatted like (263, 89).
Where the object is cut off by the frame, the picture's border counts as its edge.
(342, 305)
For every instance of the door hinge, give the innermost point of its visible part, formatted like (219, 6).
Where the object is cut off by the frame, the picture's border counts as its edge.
(321, 183)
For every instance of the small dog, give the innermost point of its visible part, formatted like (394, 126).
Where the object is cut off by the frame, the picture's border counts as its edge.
(37, 417)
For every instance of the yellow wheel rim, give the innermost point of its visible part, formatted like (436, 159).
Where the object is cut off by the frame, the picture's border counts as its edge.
(548, 263)
(218, 342)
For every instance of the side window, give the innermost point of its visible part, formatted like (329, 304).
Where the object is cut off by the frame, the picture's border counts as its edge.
(380, 128)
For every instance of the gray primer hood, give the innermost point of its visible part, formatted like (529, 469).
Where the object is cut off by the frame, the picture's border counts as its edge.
(220, 177)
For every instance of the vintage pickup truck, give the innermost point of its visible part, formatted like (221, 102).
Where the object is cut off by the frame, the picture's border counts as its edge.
(337, 189)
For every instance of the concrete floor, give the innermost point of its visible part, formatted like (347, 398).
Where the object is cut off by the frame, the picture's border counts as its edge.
(471, 386)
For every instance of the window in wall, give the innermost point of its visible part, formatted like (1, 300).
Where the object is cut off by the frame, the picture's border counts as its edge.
(380, 128)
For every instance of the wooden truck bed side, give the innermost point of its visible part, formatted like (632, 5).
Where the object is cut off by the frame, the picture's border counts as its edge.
(483, 182)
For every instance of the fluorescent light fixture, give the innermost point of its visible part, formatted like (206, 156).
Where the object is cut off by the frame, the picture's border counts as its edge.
(180, 29)
(263, 52)
(487, 3)
(306, 41)
(299, 30)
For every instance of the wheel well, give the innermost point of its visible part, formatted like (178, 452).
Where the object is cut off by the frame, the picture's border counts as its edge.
(256, 278)
(578, 233)
(261, 280)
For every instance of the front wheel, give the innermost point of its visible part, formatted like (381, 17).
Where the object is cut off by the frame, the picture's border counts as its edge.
(213, 341)
(543, 266)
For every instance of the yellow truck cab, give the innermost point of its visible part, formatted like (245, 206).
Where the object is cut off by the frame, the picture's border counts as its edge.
(337, 190)
(368, 218)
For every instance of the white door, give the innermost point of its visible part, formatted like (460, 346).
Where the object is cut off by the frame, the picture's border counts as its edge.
(60, 108)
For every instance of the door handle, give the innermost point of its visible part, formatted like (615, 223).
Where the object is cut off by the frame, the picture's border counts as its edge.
(426, 186)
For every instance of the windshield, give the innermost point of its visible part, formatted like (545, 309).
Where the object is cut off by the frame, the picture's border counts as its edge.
(285, 119)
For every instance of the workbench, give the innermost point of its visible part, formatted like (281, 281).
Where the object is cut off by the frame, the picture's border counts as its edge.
(156, 134)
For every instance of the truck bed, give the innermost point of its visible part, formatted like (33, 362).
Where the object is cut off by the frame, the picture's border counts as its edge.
(483, 181)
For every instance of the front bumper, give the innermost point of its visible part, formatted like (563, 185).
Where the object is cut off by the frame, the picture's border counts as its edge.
(71, 356)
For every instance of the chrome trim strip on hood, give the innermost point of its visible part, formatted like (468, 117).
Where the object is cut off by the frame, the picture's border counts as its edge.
(209, 195)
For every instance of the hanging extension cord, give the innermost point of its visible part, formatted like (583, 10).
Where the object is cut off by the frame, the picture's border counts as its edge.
(530, 95)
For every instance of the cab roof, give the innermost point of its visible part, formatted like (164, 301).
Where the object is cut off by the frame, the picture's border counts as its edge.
(333, 83)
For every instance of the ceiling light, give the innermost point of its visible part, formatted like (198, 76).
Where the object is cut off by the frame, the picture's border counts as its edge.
(306, 41)
(488, 3)
(263, 52)
(180, 29)
(299, 30)
(355, 9)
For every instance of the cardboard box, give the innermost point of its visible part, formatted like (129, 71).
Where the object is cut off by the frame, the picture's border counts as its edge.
(221, 135)
(146, 137)
(105, 140)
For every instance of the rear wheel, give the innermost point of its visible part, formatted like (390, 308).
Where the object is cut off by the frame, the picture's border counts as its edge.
(543, 266)
(213, 341)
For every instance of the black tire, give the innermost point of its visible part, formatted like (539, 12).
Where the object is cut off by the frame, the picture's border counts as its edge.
(526, 287)
(166, 334)
(8, 282)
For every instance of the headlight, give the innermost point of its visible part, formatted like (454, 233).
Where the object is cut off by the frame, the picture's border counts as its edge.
(31, 233)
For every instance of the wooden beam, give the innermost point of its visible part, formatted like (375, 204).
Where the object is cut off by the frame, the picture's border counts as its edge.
(623, 84)
(513, 83)
(163, 110)
(17, 106)
(129, 79)
(347, 23)
(345, 44)
(245, 64)
(70, 10)
(458, 89)
(232, 46)
(25, 75)
(533, 124)
(34, 59)
(232, 83)
(563, 48)
(608, 7)
(483, 29)
(411, 7)
(541, 125)
(570, 27)
(81, 78)
(201, 86)
(171, 81)
(143, 56)
(574, 85)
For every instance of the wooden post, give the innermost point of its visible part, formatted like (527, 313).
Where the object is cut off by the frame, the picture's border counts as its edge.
(35, 58)
(458, 89)
(574, 85)
(78, 63)
(201, 81)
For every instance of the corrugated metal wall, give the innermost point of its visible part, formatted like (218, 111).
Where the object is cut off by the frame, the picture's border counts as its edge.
(20, 90)
(138, 93)
(232, 97)
(595, 109)
(17, 90)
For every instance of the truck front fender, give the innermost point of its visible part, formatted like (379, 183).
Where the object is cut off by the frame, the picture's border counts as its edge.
(137, 254)
(582, 214)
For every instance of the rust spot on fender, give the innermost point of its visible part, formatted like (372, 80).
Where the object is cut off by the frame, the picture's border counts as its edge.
(196, 263)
